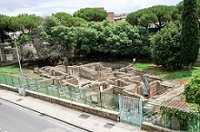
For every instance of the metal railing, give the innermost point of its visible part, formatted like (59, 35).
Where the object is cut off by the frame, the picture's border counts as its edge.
(85, 96)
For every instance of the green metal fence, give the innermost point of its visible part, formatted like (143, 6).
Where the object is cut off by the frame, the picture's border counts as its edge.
(95, 99)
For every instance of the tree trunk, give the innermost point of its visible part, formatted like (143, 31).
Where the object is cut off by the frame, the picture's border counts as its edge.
(190, 67)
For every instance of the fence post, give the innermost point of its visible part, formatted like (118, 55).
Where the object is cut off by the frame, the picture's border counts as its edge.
(70, 92)
(58, 87)
(140, 109)
(12, 81)
(120, 110)
(19, 81)
(36, 85)
(27, 83)
(0, 78)
(46, 87)
(84, 96)
(5, 79)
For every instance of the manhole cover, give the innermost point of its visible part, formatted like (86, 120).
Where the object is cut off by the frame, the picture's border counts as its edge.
(19, 100)
(84, 116)
(108, 125)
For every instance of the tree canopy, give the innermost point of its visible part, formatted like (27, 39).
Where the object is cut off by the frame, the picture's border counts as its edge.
(91, 14)
(157, 15)
(180, 7)
(21, 22)
(28, 22)
(68, 20)
(165, 46)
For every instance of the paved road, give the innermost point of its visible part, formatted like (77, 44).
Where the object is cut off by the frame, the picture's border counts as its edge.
(14, 118)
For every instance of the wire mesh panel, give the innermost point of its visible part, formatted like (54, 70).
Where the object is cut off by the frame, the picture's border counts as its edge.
(152, 114)
(130, 110)
(110, 101)
(85, 96)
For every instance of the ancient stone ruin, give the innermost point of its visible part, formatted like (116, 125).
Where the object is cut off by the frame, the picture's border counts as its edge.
(95, 77)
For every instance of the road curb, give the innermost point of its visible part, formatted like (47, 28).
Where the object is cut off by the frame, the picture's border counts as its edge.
(45, 114)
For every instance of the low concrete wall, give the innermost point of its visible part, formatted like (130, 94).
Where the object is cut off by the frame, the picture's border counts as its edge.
(67, 103)
(85, 108)
(153, 128)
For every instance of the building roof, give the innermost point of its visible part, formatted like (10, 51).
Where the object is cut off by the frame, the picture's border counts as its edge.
(179, 105)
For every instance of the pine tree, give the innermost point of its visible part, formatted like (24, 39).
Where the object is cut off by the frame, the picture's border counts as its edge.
(190, 33)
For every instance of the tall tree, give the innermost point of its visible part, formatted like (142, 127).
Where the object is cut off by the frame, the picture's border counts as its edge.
(157, 15)
(180, 7)
(165, 46)
(91, 14)
(190, 33)
(25, 22)
(64, 18)
(67, 20)
(4, 23)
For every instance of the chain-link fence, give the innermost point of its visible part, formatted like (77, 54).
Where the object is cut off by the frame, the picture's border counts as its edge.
(85, 96)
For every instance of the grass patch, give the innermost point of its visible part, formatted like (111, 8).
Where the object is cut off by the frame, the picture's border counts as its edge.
(143, 66)
(178, 75)
(11, 70)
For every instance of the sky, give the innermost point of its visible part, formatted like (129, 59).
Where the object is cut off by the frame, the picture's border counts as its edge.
(47, 7)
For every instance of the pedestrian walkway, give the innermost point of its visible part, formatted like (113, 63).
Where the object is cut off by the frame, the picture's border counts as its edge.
(77, 118)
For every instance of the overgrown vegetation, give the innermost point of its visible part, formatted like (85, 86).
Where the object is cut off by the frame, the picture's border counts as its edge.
(189, 33)
(177, 75)
(192, 90)
(87, 32)
(165, 46)
(188, 120)
(143, 66)
(11, 70)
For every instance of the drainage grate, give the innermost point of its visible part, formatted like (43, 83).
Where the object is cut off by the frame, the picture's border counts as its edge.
(84, 116)
(19, 100)
(109, 125)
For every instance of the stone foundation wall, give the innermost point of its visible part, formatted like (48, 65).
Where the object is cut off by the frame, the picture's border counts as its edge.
(154, 87)
(121, 83)
(88, 73)
(73, 71)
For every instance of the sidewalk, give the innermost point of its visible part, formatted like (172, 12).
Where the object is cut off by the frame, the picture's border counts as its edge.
(77, 118)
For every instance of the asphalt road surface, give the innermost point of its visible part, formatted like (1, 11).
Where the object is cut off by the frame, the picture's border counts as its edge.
(14, 118)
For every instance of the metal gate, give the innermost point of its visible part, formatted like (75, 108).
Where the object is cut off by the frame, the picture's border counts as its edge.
(130, 110)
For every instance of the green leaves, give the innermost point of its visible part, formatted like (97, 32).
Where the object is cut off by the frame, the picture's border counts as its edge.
(190, 33)
(192, 90)
(165, 46)
(157, 15)
(91, 14)
(188, 119)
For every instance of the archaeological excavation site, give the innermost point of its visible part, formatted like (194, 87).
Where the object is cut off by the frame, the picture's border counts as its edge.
(98, 78)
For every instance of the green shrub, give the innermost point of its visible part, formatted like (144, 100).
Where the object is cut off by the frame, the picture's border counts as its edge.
(165, 46)
(192, 90)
